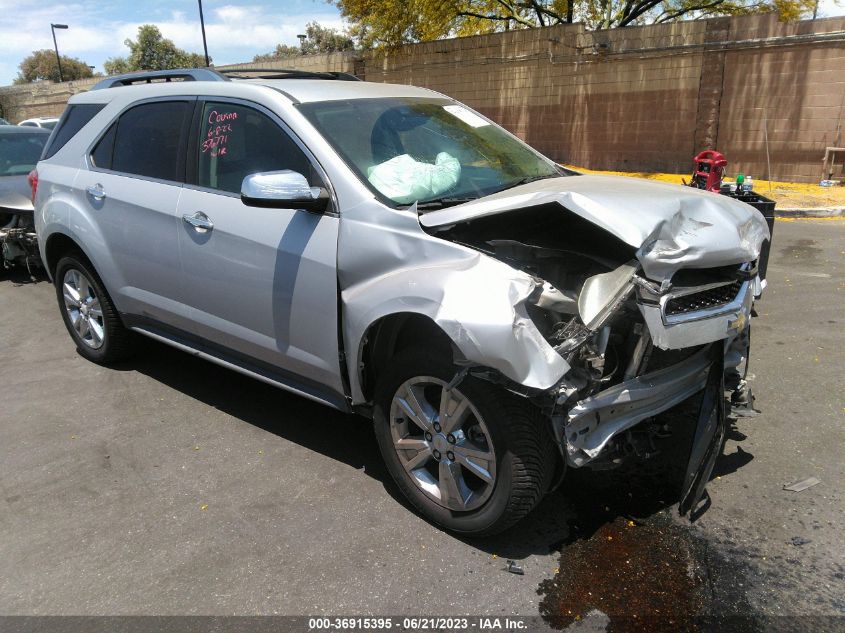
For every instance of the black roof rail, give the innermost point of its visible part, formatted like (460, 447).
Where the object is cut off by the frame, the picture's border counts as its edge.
(146, 77)
(286, 73)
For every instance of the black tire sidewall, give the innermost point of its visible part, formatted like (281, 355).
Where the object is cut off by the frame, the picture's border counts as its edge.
(73, 261)
(419, 362)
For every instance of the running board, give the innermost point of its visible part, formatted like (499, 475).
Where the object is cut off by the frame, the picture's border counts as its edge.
(336, 402)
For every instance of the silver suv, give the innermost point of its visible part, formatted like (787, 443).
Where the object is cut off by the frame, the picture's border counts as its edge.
(385, 250)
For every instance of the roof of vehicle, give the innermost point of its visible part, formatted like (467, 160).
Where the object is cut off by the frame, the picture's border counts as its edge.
(299, 86)
(309, 90)
(41, 118)
(14, 129)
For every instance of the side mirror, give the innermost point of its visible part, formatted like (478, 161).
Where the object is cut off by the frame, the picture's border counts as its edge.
(283, 190)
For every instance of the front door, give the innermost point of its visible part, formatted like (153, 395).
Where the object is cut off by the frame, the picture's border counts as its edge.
(261, 283)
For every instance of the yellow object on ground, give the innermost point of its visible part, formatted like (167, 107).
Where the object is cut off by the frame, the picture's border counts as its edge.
(787, 195)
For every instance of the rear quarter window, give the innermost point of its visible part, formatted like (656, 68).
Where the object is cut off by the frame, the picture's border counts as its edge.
(74, 118)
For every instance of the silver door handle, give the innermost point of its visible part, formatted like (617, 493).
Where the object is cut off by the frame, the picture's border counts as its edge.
(199, 221)
(97, 192)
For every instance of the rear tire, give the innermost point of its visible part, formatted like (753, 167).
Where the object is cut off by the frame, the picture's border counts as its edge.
(500, 451)
(89, 313)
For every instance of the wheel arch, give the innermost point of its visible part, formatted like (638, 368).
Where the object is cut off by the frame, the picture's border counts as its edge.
(58, 243)
(392, 333)
(56, 247)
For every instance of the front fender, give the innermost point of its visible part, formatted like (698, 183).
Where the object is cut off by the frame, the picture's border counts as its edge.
(477, 301)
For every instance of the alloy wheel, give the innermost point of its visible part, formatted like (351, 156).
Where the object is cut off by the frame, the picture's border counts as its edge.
(443, 443)
(83, 308)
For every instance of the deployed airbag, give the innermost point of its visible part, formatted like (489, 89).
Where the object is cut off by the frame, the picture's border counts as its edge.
(405, 180)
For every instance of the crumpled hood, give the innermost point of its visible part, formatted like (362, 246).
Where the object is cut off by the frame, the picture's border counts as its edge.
(672, 226)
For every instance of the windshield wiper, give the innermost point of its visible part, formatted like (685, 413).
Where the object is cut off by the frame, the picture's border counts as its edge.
(441, 203)
(526, 180)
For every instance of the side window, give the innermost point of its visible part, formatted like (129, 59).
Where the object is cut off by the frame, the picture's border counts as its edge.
(236, 141)
(149, 140)
(102, 154)
(73, 120)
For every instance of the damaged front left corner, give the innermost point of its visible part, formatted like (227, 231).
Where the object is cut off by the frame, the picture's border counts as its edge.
(477, 301)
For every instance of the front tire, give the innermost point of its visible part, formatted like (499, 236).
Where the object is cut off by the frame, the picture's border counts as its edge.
(88, 312)
(474, 459)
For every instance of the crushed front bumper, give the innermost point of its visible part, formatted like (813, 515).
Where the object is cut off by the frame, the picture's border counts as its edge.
(591, 423)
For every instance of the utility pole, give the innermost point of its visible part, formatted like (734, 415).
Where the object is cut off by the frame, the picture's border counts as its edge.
(53, 28)
(202, 26)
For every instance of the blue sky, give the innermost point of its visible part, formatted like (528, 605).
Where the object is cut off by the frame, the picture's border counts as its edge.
(236, 31)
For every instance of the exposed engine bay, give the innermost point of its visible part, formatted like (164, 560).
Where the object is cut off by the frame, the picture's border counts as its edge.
(635, 347)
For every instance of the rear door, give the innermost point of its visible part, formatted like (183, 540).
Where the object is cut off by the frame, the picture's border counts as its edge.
(132, 187)
(261, 283)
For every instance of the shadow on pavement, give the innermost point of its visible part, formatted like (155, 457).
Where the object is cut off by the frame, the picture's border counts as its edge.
(586, 501)
(622, 553)
(346, 438)
(621, 550)
(20, 276)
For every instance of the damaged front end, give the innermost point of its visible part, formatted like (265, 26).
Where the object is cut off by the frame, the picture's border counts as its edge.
(18, 240)
(636, 344)
(664, 341)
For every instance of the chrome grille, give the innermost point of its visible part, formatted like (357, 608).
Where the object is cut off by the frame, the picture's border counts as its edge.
(704, 300)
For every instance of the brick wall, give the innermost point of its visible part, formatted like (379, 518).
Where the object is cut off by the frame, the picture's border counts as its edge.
(650, 98)
(39, 99)
(329, 62)
(638, 98)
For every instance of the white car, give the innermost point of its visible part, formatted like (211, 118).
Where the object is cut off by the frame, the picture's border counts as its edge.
(48, 122)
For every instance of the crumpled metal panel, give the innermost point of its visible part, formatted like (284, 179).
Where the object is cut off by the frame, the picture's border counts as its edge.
(672, 226)
(592, 422)
(388, 265)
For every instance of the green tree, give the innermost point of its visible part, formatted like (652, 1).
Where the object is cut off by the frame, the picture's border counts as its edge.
(42, 65)
(152, 51)
(393, 22)
(318, 39)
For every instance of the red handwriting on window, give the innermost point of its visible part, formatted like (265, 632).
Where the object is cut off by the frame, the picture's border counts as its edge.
(219, 126)
(220, 117)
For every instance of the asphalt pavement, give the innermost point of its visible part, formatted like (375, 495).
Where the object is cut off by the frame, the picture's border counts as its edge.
(167, 485)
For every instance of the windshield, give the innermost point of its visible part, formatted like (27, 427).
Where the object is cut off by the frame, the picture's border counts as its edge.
(425, 150)
(20, 152)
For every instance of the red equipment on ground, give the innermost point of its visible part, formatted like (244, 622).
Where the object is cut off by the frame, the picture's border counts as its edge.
(709, 167)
